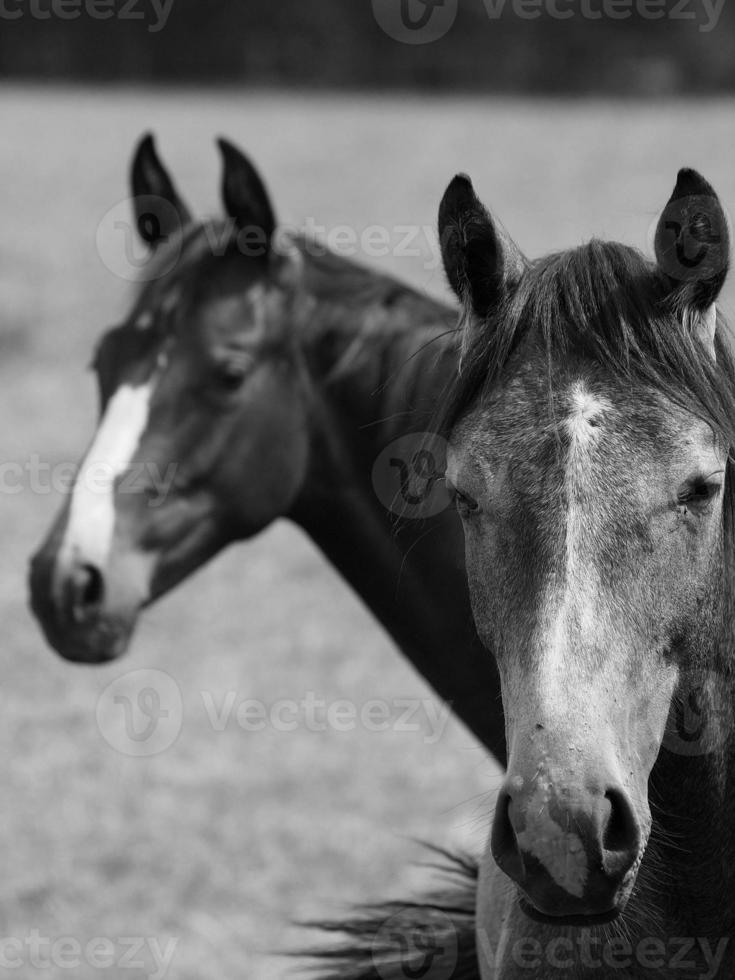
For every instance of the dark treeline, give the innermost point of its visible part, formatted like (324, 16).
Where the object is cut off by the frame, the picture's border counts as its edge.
(328, 43)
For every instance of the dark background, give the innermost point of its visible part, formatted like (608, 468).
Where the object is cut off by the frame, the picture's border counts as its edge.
(328, 43)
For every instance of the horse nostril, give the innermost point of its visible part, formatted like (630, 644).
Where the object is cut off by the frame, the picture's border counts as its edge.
(87, 590)
(503, 842)
(621, 835)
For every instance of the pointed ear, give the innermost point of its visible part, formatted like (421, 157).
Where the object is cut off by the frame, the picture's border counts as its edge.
(243, 192)
(159, 211)
(692, 246)
(482, 262)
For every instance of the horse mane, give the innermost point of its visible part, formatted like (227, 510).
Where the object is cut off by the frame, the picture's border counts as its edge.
(363, 312)
(372, 949)
(604, 303)
(345, 290)
(333, 276)
(187, 259)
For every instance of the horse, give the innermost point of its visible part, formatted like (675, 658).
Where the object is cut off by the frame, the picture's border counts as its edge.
(590, 432)
(268, 375)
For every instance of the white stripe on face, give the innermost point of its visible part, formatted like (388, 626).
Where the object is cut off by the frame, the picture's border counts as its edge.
(582, 419)
(91, 523)
(579, 588)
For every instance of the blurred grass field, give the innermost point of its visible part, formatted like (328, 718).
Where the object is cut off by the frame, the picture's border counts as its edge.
(223, 839)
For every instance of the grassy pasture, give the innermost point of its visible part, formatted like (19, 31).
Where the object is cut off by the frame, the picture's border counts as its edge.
(225, 837)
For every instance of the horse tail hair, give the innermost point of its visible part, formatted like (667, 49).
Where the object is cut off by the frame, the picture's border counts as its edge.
(432, 937)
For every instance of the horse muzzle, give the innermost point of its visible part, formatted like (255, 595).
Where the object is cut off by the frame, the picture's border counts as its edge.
(573, 849)
(70, 597)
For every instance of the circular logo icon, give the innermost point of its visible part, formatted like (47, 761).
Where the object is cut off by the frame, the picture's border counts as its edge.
(695, 707)
(406, 948)
(141, 713)
(408, 476)
(121, 247)
(691, 239)
(415, 21)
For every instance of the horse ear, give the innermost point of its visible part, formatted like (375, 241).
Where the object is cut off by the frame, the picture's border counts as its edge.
(482, 262)
(159, 211)
(244, 194)
(692, 245)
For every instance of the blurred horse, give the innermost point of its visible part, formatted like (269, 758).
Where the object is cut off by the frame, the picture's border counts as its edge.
(258, 378)
(591, 434)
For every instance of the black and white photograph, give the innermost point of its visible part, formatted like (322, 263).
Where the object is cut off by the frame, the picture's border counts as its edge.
(367, 477)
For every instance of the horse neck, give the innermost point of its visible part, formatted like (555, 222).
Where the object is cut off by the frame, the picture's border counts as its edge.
(376, 362)
(378, 358)
(693, 835)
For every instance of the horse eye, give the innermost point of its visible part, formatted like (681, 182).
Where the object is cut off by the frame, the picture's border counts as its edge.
(698, 491)
(465, 504)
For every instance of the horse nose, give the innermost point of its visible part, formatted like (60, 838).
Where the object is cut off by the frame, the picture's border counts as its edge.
(83, 590)
(573, 851)
(86, 607)
(68, 588)
(621, 835)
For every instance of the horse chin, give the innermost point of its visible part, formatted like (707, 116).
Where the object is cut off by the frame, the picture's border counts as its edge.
(178, 561)
(578, 920)
(99, 642)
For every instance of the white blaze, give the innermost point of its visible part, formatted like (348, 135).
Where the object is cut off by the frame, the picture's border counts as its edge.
(560, 851)
(570, 605)
(580, 586)
(91, 523)
(584, 411)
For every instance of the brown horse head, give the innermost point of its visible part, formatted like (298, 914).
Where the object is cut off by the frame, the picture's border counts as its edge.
(202, 434)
